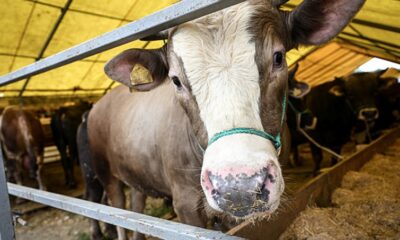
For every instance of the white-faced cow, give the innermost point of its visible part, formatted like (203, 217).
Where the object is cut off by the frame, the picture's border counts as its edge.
(22, 143)
(220, 84)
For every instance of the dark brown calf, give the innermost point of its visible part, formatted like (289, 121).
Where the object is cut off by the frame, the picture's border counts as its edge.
(22, 144)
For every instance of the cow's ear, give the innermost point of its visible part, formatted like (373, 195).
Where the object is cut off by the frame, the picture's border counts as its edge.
(385, 84)
(336, 91)
(299, 90)
(318, 21)
(139, 69)
(292, 72)
(387, 73)
(338, 87)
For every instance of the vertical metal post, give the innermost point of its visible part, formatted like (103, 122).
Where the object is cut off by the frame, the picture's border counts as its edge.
(6, 225)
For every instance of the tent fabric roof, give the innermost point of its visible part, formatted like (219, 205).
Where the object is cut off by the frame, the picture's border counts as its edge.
(328, 62)
(26, 26)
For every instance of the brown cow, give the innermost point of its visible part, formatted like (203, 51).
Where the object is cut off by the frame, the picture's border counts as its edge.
(219, 84)
(22, 143)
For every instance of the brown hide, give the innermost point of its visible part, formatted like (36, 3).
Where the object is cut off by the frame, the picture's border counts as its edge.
(145, 140)
(22, 143)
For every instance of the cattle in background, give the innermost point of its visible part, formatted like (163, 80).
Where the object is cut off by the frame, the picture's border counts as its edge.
(341, 107)
(22, 144)
(298, 116)
(219, 84)
(388, 100)
(64, 125)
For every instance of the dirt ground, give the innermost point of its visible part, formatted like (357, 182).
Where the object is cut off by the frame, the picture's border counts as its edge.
(50, 224)
(366, 206)
(53, 224)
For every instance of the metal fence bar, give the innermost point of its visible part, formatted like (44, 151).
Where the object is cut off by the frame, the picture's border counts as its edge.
(6, 225)
(130, 220)
(178, 13)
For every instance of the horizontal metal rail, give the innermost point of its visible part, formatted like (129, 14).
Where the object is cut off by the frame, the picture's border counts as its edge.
(178, 13)
(130, 220)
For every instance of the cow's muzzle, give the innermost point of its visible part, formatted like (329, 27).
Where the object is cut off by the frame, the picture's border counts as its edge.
(368, 114)
(242, 195)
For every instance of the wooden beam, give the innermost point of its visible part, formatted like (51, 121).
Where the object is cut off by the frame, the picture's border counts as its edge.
(323, 52)
(318, 66)
(369, 52)
(345, 66)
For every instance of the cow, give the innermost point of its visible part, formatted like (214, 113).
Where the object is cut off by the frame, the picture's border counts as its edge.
(22, 144)
(298, 116)
(341, 107)
(94, 191)
(215, 109)
(388, 100)
(64, 124)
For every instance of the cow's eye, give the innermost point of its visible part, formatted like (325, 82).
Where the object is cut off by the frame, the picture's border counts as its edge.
(176, 81)
(278, 59)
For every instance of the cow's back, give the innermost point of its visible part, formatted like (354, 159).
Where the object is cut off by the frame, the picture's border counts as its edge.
(20, 129)
(143, 139)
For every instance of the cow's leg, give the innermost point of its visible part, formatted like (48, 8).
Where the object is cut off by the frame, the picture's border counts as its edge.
(317, 157)
(18, 176)
(138, 203)
(39, 172)
(110, 231)
(336, 149)
(116, 197)
(189, 207)
(94, 193)
(17, 173)
(296, 157)
(67, 165)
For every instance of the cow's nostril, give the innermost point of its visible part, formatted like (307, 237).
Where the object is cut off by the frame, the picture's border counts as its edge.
(271, 178)
(215, 194)
(263, 195)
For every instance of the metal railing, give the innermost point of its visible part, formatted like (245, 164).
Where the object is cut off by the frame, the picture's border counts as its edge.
(153, 226)
(178, 13)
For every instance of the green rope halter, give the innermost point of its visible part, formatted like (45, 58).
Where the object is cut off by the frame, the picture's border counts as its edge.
(275, 139)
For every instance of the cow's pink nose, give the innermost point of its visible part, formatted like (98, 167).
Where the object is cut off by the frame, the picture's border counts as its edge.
(241, 194)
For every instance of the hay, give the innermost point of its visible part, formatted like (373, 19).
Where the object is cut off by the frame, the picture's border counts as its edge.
(366, 206)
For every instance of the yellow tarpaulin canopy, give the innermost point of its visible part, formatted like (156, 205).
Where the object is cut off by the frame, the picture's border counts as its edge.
(27, 26)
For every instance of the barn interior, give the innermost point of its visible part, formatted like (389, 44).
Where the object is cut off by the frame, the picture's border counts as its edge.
(32, 30)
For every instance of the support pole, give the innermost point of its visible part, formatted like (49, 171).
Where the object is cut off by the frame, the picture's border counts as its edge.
(6, 225)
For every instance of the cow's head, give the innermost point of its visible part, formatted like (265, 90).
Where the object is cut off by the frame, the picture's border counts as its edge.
(360, 91)
(230, 75)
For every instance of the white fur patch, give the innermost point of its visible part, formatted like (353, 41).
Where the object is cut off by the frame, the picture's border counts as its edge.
(219, 60)
(241, 151)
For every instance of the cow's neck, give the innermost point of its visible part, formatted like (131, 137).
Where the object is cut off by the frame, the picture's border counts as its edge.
(195, 146)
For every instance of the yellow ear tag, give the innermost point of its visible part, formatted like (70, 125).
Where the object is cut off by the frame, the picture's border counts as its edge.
(140, 75)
